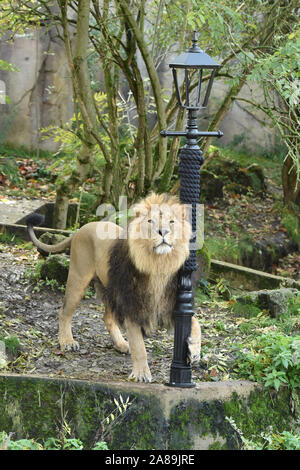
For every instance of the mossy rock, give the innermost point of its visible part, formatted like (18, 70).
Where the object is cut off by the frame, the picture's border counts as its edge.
(51, 238)
(237, 178)
(204, 262)
(157, 417)
(276, 301)
(55, 267)
(211, 186)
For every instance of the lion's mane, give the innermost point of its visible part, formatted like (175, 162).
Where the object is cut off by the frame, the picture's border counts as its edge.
(141, 284)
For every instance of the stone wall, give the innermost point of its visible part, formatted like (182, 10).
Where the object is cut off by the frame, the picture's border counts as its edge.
(41, 94)
(244, 126)
(158, 417)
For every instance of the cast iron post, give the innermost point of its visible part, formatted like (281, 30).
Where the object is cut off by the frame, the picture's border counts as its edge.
(190, 161)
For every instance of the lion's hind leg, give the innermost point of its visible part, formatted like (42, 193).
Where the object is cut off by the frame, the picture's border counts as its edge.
(119, 342)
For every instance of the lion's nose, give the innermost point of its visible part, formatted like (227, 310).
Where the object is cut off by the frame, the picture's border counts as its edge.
(163, 231)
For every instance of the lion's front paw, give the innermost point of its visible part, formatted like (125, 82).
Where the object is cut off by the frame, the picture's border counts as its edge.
(140, 374)
(69, 345)
(194, 351)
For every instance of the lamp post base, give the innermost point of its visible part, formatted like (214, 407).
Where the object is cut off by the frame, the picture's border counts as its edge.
(181, 370)
(181, 376)
(181, 385)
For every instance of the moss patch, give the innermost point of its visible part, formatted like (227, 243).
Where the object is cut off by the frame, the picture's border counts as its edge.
(253, 416)
(262, 410)
(246, 310)
(55, 267)
(37, 408)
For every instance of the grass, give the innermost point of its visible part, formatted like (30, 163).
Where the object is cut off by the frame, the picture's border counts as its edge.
(226, 249)
(10, 239)
(12, 343)
(271, 163)
(292, 226)
(245, 310)
(9, 151)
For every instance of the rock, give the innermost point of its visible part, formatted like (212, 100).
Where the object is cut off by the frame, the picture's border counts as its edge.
(275, 301)
(51, 238)
(211, 186)
(263, 254)
(55, 267)
(203, 261)
(237, 178)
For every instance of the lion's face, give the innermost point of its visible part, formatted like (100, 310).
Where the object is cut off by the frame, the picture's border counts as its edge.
(159, 234)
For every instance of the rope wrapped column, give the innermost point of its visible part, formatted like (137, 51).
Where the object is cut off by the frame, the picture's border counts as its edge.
(190, 161)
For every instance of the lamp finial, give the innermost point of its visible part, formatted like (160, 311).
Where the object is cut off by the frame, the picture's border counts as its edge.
(195, 47)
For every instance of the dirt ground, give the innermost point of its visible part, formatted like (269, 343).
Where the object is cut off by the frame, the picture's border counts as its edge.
(32, 317)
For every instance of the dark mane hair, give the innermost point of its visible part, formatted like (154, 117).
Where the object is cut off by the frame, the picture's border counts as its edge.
(128, 292)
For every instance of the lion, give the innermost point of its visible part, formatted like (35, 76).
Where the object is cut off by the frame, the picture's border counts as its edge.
(135, 272)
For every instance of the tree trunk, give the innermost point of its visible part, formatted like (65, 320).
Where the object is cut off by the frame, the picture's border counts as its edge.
(65, 189)
(83, 93)
(155, 83)
(290, 182)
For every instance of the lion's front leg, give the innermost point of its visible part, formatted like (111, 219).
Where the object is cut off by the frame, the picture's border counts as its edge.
(194, 341)
(140, 369)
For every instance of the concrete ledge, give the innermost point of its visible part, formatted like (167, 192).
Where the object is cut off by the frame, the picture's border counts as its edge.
(249, 279)
(158, 418)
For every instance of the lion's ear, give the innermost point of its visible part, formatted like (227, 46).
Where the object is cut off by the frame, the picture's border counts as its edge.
(138, 210)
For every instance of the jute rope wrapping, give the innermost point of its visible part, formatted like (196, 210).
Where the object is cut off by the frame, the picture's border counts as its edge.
(190, 161)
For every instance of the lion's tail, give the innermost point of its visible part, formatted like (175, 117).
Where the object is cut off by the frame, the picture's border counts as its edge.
(36, 219)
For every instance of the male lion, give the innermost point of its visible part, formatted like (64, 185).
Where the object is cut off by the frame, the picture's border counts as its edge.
(136, 275)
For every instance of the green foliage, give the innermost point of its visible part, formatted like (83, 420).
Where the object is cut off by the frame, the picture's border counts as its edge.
(34, 273)
(100, 446)
(10, 171)
(36, 276)
(10, 151)
(274, 360)
(65, 440)
(245, 310)
(294, 305)
(71, 135)
(268, 440)
(23, 444)
(7, 238)
(6, 443)
(8, 67)
(291, 223)
(12, 344)
(289, 218)
(226, 249)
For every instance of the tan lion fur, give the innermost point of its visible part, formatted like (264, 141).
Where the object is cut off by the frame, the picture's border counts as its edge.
(136, 277)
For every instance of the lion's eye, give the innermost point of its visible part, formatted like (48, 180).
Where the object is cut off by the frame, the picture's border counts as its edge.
(150, 221)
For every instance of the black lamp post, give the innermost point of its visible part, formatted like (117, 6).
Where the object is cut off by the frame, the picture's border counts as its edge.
(190, 161)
